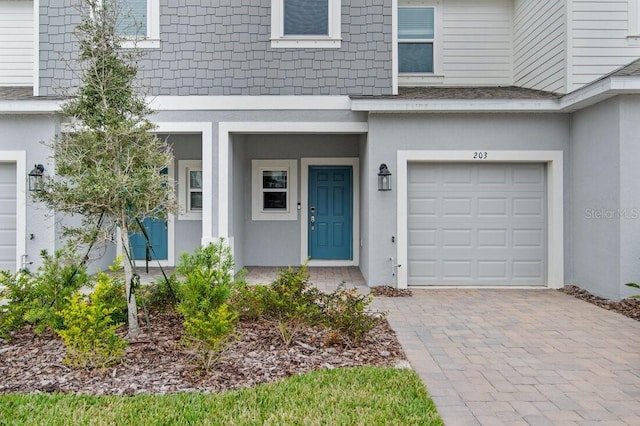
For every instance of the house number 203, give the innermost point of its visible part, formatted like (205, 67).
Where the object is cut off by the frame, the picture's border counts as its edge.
(479, 155)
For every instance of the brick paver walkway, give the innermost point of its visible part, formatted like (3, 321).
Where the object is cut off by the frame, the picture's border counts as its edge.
(514, 357)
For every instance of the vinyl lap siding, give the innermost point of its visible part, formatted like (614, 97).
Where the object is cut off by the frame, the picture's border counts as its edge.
(16, 43)
(539, 45)
(476, 42)
(599, 39)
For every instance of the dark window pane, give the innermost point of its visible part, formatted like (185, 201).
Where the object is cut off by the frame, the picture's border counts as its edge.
(306, 17)
(415, 23)
(196, 200)
(415, 57)
(274, 179)
(132, 17)
(274, 201)
(195, 179)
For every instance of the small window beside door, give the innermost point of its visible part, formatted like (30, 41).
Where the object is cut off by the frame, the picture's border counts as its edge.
(190, 189)
(274, 189)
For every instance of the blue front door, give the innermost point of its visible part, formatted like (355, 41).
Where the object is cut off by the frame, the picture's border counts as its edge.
(158, 239)
(330, 212)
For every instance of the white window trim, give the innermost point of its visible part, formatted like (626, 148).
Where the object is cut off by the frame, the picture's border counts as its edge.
(633, 33)
(152, 39)
(420, 79)
(184, 166)
(555, 203)
(257, 167)
(331, 41)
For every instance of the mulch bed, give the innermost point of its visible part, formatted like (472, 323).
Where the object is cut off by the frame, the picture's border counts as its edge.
(160, 363)
(388, 291)
(626, 307)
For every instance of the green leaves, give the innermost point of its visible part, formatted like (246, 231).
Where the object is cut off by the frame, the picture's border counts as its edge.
(89, 333)
(636, 286)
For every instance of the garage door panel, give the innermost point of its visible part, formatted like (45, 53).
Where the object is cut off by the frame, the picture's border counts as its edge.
(492, 269)
(457, 238)
(492, 238)
(424, 206)
(479, 224)
(527, 269)
(456, 206)
(492, 176)
(528, 206)
(423, 238)
(528, 238)
(456, 269)
(8, 210)
(528, 174)
(496, 207)
(7, 207)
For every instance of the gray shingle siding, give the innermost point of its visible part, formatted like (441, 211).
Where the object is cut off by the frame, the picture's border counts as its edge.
(224, 49)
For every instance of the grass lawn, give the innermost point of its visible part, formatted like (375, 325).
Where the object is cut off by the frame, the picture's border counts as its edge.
(355, 396)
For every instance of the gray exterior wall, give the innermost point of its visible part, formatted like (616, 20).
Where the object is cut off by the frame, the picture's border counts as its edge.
(224, 49)
(188, 233)
(215, 117)
(605, 197)
(277, 243)
(389, 133)
(25, 133)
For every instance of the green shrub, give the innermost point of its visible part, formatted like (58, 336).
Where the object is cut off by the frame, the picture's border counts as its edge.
(19, 290)
(208, 321)
(161, 295)
(249, 301)
(38, 298)
(291, 301)
(347, 314)
(110, 291)
(292, 297)
(213, 327)
(89, 333)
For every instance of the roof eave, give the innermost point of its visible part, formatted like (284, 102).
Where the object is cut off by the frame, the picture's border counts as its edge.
(453, 105)
(35, 106)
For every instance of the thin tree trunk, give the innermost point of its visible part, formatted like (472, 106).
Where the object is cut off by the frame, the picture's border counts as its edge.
(132, 307)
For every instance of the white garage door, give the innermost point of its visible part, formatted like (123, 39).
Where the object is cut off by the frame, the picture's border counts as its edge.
(7, 216)
(477, 224)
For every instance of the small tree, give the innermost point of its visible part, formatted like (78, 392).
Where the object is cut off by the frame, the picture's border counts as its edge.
(108, 164)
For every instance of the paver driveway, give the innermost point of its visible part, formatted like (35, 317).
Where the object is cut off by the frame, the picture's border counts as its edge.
(520, 356)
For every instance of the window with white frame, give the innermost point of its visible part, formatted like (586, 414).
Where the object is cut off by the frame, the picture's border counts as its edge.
(634, 20)
(139, 21)
(190, 189)
(274, 189)
(305, 23)
(416, 36)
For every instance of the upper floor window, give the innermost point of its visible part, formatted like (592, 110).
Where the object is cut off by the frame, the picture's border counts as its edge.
(305, 23)
(633, 13)
(416, 35)
(139, 21)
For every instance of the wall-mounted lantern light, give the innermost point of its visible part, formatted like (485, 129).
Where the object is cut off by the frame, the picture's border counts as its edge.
(384, 178)
(35, 177)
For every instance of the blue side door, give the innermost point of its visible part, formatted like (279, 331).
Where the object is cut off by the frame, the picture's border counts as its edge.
(158, 237)
(330, 212)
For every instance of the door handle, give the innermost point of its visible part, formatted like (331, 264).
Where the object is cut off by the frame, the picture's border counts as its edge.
(312, 219)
